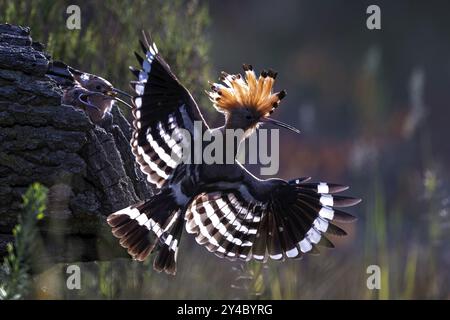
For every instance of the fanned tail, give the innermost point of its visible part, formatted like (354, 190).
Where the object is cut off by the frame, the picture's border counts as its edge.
(299, 215)
(150, 226)
(293, 220)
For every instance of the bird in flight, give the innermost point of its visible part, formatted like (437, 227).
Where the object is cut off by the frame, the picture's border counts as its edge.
(230, 212)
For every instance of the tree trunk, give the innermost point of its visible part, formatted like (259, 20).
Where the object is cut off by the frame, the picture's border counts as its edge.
(89, 169)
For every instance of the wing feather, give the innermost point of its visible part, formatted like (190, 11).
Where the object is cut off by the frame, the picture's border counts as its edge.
(164, 111)
(292, 219)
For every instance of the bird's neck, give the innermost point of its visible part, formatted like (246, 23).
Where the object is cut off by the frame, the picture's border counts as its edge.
(231, 140)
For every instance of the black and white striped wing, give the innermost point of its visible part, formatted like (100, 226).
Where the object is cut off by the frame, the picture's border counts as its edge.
(163, 111)
(224, 223)
(293, 220)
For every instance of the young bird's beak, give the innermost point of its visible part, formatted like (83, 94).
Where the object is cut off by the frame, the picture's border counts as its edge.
(83, 98)
(113, 93)
(280, 124)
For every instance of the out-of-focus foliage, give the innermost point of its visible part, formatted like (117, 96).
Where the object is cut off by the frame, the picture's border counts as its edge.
(14, 281)
(110, 31)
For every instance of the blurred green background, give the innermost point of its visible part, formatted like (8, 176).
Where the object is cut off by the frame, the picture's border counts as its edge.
(372, 107)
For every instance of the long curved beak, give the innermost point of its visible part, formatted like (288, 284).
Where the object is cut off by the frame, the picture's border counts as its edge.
(122, 92)
(123, 102)
(281, 124)
(113, 93)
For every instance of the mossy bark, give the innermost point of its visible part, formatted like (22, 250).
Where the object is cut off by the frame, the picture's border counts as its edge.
(89, 169)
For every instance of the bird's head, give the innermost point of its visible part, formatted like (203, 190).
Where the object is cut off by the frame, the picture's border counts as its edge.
(94, 83)
(98, 84)
(247, 101)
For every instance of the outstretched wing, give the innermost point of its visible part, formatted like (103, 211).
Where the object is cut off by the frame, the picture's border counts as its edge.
(162, 107)
(270, 218)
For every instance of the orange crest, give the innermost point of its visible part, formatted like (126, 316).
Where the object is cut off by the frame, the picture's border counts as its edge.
(248, 92)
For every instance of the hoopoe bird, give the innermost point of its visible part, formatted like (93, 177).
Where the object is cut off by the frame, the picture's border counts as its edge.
(91, 93)
(230, 212)
(95, 104)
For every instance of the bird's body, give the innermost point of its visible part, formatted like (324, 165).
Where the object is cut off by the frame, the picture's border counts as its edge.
(230, 211)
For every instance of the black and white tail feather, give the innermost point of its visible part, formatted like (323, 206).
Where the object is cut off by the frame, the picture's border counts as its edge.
(289, 223)
(148, 225)
(236, 216)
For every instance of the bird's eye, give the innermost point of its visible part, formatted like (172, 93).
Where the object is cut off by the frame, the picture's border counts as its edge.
(248, 117)
(98, 87)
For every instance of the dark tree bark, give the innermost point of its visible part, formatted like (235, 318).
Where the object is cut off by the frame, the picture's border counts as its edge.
(89, 169)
